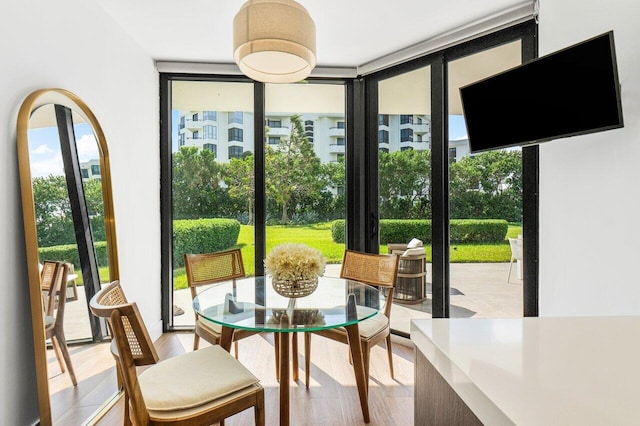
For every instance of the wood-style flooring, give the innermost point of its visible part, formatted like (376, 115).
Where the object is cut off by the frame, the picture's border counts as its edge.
(95, 373)
(332, 397)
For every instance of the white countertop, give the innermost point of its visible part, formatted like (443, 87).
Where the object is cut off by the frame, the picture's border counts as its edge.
(539, 371)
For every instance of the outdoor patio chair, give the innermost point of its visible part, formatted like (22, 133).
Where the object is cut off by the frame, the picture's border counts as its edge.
(516, 255)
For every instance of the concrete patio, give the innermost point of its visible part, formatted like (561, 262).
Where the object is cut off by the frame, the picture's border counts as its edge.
(478, 290)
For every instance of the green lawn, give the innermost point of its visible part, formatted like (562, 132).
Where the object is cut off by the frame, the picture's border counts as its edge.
(319, 236)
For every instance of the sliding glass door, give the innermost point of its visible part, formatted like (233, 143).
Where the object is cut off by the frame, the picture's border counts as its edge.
(463, 212)
(485, 203)
(377, 163)
(404, 189)
(305, 167)
(212, 184)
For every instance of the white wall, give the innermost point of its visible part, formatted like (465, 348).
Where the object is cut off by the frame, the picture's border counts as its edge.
(75, 45)
(589, 192)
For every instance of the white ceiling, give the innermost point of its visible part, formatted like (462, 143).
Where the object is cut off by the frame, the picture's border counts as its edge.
(349, 32)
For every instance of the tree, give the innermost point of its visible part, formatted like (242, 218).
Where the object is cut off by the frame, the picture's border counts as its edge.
(336, 176)
(54, 219)
(95, 207)
(404, 184)
(487, 185)
(293, 170)
(196, 177)
(239, 176)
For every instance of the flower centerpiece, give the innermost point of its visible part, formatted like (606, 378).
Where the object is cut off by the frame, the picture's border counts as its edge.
(294, 268)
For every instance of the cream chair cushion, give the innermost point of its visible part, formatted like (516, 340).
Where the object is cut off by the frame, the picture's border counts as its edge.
(414, 243)
(193, 379)
(48, 321)
(210, 325)
(372, 326)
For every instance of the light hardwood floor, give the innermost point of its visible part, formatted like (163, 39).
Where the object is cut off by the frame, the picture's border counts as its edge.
(95, 372)
(332, 398)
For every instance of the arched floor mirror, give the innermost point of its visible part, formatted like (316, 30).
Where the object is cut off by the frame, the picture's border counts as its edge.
(68, 216)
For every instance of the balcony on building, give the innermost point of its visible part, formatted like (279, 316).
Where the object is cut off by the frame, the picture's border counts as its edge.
(192, 124)
(336, 148)
(278, 131)
(336, 132)
(420, 146)
(421, 128)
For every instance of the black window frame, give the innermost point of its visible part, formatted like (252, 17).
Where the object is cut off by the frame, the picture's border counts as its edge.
(235, 134)
(361, 131)
(406, 135)
(211, 147)
(383, 136)
(209, 131)
(209, 115)
(235, 151)
(235, 117)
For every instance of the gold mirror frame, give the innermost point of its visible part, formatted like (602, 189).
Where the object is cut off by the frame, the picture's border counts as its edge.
(34, 101)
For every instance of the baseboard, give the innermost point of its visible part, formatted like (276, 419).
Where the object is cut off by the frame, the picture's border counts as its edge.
(400, 340)
(155, 330)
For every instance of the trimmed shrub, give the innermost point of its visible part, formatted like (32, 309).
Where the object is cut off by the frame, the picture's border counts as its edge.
(69, 253)
(470, 231)
(478, 230)
(402, 231)
(203, 236)
(338, 231)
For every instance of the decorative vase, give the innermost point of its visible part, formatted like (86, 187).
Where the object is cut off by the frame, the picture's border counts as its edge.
(295, 288)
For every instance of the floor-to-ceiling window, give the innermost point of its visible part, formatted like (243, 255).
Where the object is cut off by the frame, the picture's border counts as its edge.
(404, 188)
(212, 178)
(485, 203)
(305, 167)
(463, 207)
(395, 155)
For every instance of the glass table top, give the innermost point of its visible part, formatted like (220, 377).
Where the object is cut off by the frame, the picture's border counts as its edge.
(254, 305)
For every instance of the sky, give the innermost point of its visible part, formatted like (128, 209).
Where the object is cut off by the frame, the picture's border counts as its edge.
(44, 149)
(46, 158)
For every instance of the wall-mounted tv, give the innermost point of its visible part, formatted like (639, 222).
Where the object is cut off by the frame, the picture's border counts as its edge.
(570, 92)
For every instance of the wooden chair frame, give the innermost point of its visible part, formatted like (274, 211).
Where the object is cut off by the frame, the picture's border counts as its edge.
(102, 305)
(373, 269)
(211, 268)
(54, 287)
(131, 336)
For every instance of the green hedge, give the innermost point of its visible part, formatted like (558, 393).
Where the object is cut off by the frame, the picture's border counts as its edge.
(461, 230)
(478, 230)
(338, 231)
(203, 236)
(69, 253)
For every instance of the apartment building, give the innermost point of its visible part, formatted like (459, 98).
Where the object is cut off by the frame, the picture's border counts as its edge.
(225, 134)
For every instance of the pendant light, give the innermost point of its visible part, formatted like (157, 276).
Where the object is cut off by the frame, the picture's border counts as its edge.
(274, 41)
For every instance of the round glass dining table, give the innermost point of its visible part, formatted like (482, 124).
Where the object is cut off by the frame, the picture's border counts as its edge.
(253, 305)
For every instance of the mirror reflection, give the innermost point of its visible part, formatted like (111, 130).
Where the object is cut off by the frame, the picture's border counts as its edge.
(74, 259)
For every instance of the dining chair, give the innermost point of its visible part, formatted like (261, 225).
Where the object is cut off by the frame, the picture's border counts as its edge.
(102, 304)
(376, 270)
(53, 279)
(211, 268)
(195, 388)
(516, 255)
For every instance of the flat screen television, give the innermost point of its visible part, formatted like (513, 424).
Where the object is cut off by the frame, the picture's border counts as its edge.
(570, 92)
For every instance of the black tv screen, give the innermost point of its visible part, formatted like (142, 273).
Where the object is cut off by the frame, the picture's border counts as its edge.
(570, 92)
